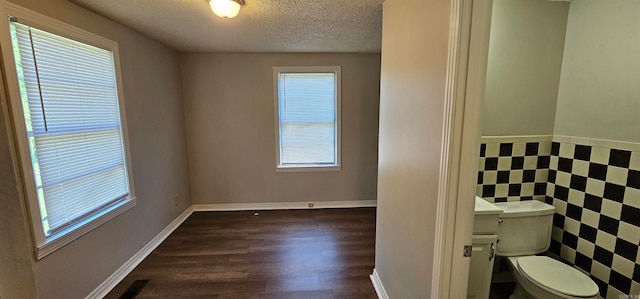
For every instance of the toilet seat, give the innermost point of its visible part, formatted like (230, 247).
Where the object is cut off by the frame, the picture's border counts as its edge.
(556, 277)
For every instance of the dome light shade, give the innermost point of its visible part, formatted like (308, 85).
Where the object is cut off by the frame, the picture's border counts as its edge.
(226, 8)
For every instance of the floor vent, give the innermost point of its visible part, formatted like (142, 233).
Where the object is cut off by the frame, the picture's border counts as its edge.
(134, 289)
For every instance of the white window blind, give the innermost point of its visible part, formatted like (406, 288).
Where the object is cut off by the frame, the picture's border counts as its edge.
(308, 119)
(70, 103)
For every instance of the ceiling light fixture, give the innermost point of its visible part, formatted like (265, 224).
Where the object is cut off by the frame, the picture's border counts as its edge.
(226, 8)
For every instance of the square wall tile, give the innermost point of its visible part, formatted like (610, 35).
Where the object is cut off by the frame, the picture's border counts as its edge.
(606, 241)
(632, 197)
(502, 177)
(613, 293)
(626, 250)
(586, 248)
(502, 190)
(600, 155)
(519, 149)
(617, 175)
(555, 148)
(567, 150)
(630, 215)
(488, 191)
(506, 150)
(592, 202)
(611, 209)
(561, 207)
(544, 149)
(565, 165)
(532, 148)
(481, 163)
(600, 271)
(609, 225)
(633, 179)
(623, 266)
(530, 162)
(620, 282)
(578, 183)
(614, 192)
(588, 233)
(597, 171)
(581, 168)
(491, 163)
(603, 256)
(634, 161)
(542, 175)
(629, 233)
(557, 231)
(568, 254)
(619, 158)
(582, 152)
(635, 288)
(576, 198)
(563, 178)
(583, 262)
(493, 150)
(590, 218)
(595, 187)
(572, 226)
(553, 162)
(528, 188)
(544, 162)
(516, 176)
(504, 163)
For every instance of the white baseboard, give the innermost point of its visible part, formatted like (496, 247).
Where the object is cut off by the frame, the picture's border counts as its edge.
(377, 284)
(283, 205)
(104, 288)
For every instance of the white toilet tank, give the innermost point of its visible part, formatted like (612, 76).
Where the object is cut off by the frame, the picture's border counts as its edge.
(525, 228)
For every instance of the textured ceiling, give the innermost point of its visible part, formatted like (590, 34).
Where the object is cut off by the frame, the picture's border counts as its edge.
(261, 26)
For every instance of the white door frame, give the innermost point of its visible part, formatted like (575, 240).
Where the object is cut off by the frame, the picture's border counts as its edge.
(470, 23)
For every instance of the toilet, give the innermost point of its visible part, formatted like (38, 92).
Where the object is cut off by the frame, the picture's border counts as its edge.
(524, 231)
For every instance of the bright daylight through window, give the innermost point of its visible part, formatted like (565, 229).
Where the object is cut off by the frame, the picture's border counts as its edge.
(74, 138)
(308, 118)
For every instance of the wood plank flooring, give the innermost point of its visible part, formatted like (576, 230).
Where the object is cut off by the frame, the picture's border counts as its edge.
(302, 254)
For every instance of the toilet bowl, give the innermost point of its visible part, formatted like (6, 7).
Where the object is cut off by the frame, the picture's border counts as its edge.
(524, 231)
(542, 277)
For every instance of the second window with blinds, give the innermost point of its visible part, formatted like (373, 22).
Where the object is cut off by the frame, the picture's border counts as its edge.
(307, 101)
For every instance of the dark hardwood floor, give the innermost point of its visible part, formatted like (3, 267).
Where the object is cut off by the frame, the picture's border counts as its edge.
(278, 254)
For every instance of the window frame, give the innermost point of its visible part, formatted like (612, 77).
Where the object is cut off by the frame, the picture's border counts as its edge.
(336, 70)
(44, 245)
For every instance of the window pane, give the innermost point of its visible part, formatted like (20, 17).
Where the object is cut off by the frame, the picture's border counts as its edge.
(308, 143)
(307, 97)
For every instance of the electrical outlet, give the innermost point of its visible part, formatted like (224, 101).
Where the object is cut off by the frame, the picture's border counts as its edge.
(310, 204)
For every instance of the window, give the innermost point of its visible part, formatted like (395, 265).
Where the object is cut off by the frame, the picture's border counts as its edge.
(67, 110)
(308, 118)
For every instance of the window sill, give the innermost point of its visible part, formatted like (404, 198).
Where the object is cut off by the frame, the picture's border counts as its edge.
(68, 235)
(310, 168)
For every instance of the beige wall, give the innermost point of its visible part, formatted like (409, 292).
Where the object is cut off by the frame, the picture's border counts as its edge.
(523, 72)
(229, 108)
(412, 95)
(16, 262)
(154, 112)
(599, 92)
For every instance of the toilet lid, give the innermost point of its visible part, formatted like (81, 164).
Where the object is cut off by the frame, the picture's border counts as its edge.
(551, 274)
